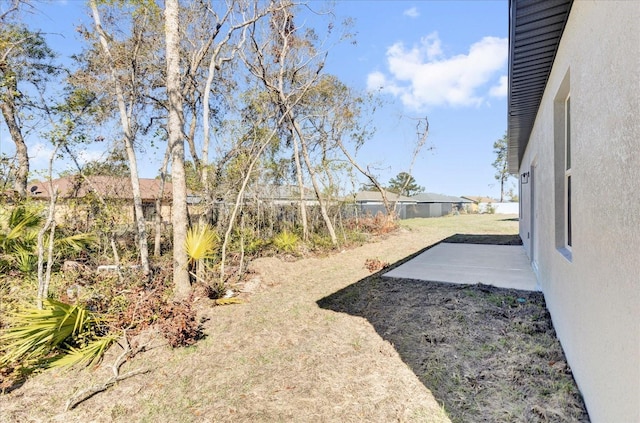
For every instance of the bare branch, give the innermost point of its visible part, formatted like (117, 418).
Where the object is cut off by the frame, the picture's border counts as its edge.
(422, 132)
(126, 354)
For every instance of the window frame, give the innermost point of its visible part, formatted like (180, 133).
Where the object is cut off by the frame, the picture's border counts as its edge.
(568, 179)
(564, 180)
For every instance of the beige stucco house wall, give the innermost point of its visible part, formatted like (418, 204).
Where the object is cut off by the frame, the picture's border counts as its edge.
(592, 288)
(78, 198)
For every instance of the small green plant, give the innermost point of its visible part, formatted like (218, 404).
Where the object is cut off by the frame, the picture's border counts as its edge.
(286, 242)
(59, 335)
(248, 240)
(356, 237)
(321, 242)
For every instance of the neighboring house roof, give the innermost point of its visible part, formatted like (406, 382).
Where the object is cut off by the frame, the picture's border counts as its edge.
(375, 196)
(111, 187)
(478, 200)
(535, 29)
(428, 197)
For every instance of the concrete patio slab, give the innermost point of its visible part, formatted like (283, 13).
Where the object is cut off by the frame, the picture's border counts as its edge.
(503, 266)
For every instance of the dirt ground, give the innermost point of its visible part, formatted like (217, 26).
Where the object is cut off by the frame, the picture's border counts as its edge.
(323, 339)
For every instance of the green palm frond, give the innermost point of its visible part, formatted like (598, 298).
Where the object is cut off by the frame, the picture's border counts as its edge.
(88, 355)
(19, 228)
(25, 260)
(34, 334)
(201, 243)
(286, 241)
(24, 217)
(19, 234)
(75, 243)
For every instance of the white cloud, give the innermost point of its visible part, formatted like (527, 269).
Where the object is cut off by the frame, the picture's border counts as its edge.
(412, 12)
(421, 76)
(376, 81)
(39, 155)
(86, 156)
(432, 45)
(502, 89)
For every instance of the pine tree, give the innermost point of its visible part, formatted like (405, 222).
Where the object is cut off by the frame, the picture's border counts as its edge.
(501, 164)
(404, 184)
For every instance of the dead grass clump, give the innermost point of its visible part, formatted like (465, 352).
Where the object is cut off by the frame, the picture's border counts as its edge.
(375, 264)
(179, 325)
(379, 224)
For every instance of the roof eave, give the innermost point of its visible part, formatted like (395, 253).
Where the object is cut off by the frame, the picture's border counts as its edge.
(542, 23)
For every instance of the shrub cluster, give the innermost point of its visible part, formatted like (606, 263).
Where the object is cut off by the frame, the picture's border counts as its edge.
(379, 224)
(86, 318)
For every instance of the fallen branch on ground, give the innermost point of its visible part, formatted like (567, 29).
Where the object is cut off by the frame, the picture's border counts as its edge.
(126, 354)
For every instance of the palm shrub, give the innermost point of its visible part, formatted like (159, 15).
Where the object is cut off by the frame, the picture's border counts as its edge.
(19, 234)
(59, 335)
(247, 239)
(66, 245)
(286, 242)
(201, 245)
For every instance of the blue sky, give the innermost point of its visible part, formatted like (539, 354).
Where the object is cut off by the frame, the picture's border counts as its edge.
(443, 59)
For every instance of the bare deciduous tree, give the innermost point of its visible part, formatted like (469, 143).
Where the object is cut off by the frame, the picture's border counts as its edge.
(125, 109)
(289, 65)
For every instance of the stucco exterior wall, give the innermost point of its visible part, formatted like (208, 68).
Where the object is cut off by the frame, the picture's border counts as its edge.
(67, 212)
(593, 297)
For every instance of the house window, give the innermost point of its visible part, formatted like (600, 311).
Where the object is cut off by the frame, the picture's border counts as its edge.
(564, 182)
(149, 212)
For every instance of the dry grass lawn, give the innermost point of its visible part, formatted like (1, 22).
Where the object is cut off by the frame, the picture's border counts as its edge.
(277, 357)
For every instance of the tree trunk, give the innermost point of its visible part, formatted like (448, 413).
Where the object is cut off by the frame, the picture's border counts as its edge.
(125, 121)
(316, 188)
(303, 205)
(208, 211)
(137, 204)
(22, 174)
(50, 224)
(390, 210)
(176, 143)
(238, 203)
(43, 280)
(192, 145)
(159, 198)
